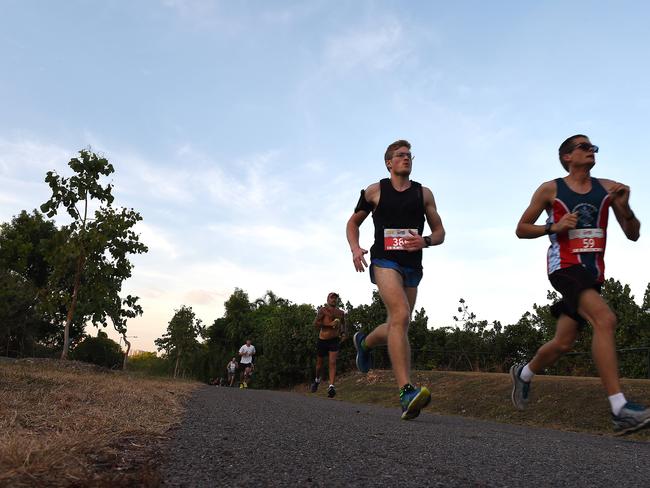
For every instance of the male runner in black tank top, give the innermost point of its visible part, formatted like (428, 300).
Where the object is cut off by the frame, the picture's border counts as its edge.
(399, 207)
(578, 207)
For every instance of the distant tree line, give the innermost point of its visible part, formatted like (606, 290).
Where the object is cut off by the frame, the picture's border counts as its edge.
(284, 337)
(56, 280)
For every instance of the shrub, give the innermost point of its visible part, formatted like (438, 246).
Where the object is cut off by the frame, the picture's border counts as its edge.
(99, 350)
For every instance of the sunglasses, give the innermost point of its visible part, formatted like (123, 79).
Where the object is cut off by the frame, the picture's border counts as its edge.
(404, 155)
(585, 146)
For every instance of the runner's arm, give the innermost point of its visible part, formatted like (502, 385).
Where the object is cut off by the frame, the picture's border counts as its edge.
(415, 242)
(433, 218)
(318, 321)
(542, 199)
(620, 198)
(371, 196)
(344, 327)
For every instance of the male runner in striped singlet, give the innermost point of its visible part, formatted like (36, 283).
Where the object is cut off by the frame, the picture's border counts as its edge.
(578, 207)
(399, 207)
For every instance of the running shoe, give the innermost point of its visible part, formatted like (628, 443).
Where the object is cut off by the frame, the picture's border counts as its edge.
(314, 387)
(331, 391)
(631, 418)
(413, 401)
(520, 388)
(364, 360)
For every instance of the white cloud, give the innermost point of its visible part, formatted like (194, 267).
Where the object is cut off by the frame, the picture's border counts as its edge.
(157, 240)
(198, 10)
(23, 154)
(377, 48)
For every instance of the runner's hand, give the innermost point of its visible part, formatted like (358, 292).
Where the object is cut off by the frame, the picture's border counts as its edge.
(414, 242)
(620, 194)
(568, 221)
(359, 260)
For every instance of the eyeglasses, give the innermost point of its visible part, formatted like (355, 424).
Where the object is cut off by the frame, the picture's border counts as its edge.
(404, 155)
(585, 146)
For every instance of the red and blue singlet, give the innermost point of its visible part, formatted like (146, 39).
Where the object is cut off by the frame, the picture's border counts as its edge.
(584, 245)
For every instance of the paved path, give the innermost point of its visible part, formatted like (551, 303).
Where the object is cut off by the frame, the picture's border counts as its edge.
(232, 437)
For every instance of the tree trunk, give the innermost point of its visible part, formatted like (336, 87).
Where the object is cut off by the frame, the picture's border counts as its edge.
(178, 360)
(126, 355)
(73, 305)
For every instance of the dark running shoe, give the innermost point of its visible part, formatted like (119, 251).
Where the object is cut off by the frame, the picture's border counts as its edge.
(331, 391)
(413, 402)
(631, 418)
(364, 360)
(520, 388)
(314, 387)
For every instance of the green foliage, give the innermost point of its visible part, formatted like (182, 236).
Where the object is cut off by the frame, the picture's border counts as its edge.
(99, 350)
(180, 342)
(149, 363)
(27, 326)
(286, 342)
(24, 245)
(285, 339)
(91, 259)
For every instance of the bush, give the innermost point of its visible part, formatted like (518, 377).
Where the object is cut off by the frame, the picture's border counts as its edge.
(99, 350)
(149, 363)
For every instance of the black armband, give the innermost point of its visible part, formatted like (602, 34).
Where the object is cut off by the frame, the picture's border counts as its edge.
(363, 204)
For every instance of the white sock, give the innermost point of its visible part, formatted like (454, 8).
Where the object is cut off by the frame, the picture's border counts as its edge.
(526, 374)
(331, 386)
(617, 402)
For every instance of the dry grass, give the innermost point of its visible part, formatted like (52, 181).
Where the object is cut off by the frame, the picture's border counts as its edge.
(557, 402)
(64, 423)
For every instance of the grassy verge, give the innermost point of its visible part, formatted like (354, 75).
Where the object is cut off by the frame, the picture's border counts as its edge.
(65, 423)
(557, 402)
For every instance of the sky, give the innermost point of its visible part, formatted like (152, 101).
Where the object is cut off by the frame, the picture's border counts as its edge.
(243, 132)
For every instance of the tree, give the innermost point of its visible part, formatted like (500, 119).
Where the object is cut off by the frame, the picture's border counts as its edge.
(120, 311)
(102, 242)
(180, 341)
(25, 244)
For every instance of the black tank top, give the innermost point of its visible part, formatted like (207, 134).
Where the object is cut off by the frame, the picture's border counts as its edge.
(398, 210)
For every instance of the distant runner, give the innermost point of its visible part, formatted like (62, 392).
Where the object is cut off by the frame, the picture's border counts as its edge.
(330, 322)
(232, 369)
(578, 209)
(246, 353)
(399, 207)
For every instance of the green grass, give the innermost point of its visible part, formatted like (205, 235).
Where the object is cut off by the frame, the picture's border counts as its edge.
(557, 402)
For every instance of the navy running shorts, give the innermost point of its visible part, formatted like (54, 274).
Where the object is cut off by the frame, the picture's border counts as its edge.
(411, 276)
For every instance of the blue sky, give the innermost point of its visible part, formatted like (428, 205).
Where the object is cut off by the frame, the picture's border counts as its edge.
(243, 132)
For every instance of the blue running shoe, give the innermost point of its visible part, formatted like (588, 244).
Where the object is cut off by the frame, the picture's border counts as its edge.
(631, 418)
(520, 388)
(364, 360)
(414, 401)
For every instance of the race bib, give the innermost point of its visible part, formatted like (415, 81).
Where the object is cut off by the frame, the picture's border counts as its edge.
(394, 238)
(586, 240)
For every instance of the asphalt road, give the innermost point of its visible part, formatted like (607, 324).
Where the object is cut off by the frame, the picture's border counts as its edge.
(232, 437)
